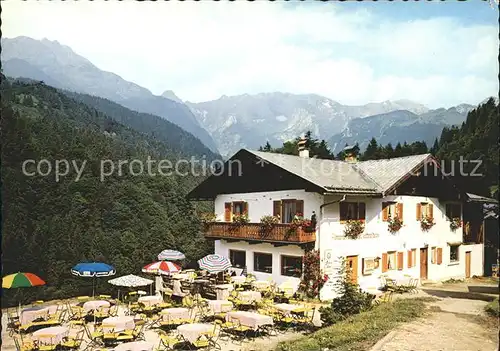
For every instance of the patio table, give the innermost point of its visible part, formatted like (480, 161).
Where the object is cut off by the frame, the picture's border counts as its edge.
(250, 319)
(239, 279)
(95, 305)
(135, 346)
(286, 308)
(191, 332)
(249, 296)
(218, 306)
(261, 284)
(118, 324)
(51, 336)
(223, 291)
(30, 314)
(150, 300)
(169, 314)
(182, 276)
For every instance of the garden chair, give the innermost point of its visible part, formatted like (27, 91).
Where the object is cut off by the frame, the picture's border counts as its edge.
(73, 343)
(168, 342)
(213, 336)
(225, 328)
(95, 337)
(24, 343)
(13, 323)
(108, 334)
(386, 297)
(76, 312)
(304, 317)
(45, 342)
(413, 287)
(241, 331)
(113, 311)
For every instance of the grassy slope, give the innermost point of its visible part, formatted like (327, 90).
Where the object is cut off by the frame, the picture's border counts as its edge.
(361, 331)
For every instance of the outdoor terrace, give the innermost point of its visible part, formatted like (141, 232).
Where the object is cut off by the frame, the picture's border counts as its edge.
(278, 233)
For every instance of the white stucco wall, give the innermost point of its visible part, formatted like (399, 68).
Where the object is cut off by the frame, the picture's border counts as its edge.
(378, 239)
(410, 236)
(222, 247)
(261, 203)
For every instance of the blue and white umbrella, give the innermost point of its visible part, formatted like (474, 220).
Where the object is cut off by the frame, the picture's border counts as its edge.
(93, 270)
(214, 263)
(171, 255)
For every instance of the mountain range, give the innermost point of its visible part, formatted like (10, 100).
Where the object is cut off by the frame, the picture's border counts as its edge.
(59, 66)
(233, 122)
(250, 120)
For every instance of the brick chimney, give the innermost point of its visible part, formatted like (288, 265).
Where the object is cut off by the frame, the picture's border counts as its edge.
(303, 151)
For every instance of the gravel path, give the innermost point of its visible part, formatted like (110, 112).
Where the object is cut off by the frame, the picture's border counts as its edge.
(452, 325)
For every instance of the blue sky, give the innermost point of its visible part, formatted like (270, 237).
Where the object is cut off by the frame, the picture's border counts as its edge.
(436, 53)
(471, 11)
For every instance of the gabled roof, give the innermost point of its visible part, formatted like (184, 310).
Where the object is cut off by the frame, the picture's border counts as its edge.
(328, 174)
(387, 173)
(479, 198)
(375, 176)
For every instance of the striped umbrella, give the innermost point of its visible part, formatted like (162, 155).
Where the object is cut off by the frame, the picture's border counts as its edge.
(162, 267)
(93, 270)
(21, 280)
(214, 263)
(171, 255)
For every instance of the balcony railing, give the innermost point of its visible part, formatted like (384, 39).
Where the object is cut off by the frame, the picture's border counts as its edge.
(283, 233)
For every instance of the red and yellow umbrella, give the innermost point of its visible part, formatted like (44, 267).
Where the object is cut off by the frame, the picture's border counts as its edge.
(21, 280)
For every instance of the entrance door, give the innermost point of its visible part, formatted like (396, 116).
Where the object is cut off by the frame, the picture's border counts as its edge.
(467, 264)
(423, 263)
(352, 266)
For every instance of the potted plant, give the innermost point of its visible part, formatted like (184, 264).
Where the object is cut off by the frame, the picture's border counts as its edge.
(455, 223)
(426, 223)
(307, 226)
(267, 223)
(394, 224)
(354, 228)
(240, 218)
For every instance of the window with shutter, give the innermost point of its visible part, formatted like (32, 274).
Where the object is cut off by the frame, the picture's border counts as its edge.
(385, 211)
(439, 255)
(400, 261)
(410, 261)
(227, 212)
(352, 211)
(430, 210)
(399, 211)
(361, 211)
(245, 208)
(419, 211)
(300, 207)
(277, 209)
(384, 263)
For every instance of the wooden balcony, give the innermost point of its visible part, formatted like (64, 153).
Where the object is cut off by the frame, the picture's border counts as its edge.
(279, 233)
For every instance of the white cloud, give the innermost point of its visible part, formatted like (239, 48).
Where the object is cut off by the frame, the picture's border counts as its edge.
(202, 50)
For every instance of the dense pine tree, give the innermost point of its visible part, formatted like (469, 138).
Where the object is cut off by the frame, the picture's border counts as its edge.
(48, 226)
(318, 148)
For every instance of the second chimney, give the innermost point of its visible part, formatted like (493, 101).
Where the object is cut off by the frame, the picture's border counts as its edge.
(303, 151)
